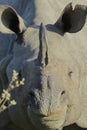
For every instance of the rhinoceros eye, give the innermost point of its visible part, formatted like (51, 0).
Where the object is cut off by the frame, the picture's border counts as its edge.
(63, 92)
(70, 73)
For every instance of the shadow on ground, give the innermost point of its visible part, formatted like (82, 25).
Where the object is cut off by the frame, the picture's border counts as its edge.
(73, 127)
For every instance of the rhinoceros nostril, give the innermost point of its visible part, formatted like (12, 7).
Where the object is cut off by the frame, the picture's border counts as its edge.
(31, 94)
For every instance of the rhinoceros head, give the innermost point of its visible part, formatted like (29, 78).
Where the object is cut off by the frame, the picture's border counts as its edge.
(49, 87)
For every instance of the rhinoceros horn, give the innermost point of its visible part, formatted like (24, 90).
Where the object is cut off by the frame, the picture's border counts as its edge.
(43, 47)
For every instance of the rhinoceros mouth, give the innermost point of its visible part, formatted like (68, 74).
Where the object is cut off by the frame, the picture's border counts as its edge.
(51, 122)
(47, 124)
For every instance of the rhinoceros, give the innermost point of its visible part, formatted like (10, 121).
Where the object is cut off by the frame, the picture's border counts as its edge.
(49, 50)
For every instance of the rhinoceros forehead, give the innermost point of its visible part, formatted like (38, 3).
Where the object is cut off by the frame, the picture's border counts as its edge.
(31, 40)
(31, 37)
(28, 45)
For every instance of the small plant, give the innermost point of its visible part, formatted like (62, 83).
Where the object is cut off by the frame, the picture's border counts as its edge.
(5, 96)
(70, 106)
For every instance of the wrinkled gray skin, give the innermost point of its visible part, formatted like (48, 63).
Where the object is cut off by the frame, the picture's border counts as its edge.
(53, 62)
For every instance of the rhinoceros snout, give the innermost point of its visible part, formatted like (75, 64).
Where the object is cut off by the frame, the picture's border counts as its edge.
(47, 110)
(43, 105)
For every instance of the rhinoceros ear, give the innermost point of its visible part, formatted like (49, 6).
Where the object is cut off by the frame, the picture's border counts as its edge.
(10, 21)
(72, 20)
